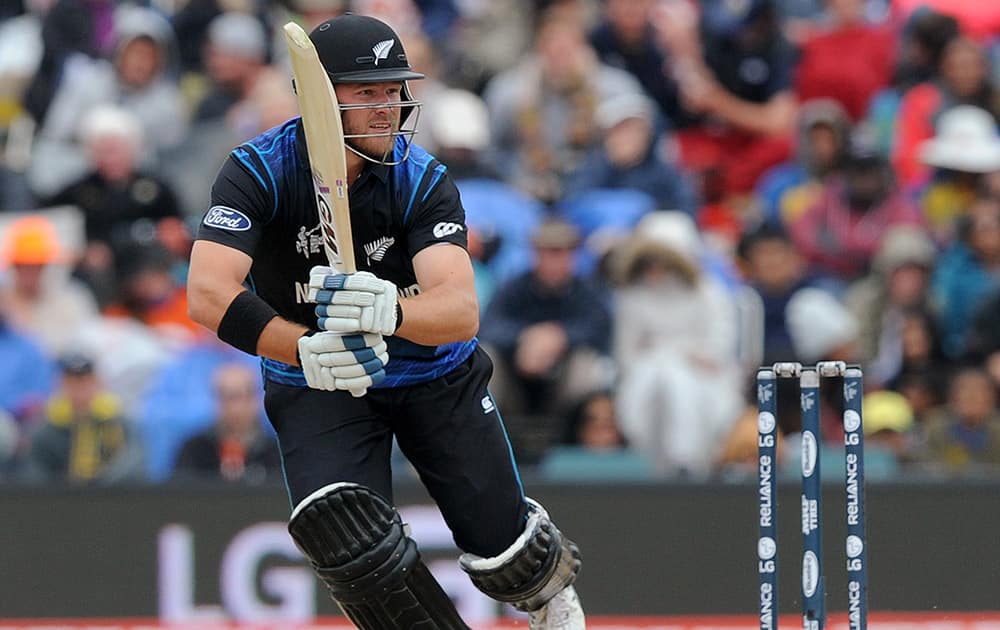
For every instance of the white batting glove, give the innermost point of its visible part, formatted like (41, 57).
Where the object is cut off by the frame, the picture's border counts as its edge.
(353, 302)
(334, 361)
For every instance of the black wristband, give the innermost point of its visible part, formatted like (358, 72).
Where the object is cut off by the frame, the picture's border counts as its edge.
(244, 320)
(399, 315)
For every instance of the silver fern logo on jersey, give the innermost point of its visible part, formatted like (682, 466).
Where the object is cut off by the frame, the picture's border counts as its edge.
(382, 49)
(376, 249)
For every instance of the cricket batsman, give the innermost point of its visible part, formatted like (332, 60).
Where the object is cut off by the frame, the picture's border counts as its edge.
(351, 361)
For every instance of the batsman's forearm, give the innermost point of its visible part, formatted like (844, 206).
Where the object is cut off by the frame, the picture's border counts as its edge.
(278, 340)
(441, 315)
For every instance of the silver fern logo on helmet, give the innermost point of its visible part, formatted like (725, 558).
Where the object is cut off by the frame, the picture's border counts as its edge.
(381, 49)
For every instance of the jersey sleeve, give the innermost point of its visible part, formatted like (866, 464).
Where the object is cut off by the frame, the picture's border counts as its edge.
(241, 204)
(437, 215)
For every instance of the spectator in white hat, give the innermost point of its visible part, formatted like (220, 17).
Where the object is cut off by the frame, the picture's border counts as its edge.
(964, 151)
(675, 344)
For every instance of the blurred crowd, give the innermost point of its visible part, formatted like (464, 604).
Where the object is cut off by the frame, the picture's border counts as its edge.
(662, 195)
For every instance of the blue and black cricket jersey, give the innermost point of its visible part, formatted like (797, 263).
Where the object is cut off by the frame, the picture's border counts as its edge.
(263, 205)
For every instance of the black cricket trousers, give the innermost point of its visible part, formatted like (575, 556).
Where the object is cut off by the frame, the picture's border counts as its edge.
(448, 428)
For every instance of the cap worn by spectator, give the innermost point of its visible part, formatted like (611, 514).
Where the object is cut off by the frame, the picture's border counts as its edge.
(238, 34)
(460, 105)
(904, 245)
(822, 111)
(110, 121)
(622, 107)
(966, 141)
(886, 411)
(669, 238)
(75, 364)
(556, 234)
(672, 229)
(818, 324)
(133, 22)
(862, 149)
(31, 240)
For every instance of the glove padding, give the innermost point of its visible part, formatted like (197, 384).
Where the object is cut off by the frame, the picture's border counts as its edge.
(353, 302)
(333, 361)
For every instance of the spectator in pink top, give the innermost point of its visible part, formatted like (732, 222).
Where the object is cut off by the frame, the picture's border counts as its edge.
(840, 233)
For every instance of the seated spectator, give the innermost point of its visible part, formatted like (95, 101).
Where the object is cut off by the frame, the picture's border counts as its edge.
(924, 389)
(549, 330)
(542, 110)
(632, 154)
(775, 270)
(82, 436)
(964, 436)
(924, 36)
(964, 152)
(625, 38)
(191, 22)
(236, 448)
(787, 190)
(675, 343)
(149, 292)
(239, 94)
(898, 284)
(847, 59)
(733, 67)
(179, 400)
(121, 202)
(841, 232)
(890, 433)
(967, 273)
(41, 299)
(501, 218)
(67, 28)
(235, 57)
(593, 447)
(963, 79)
(138, 79)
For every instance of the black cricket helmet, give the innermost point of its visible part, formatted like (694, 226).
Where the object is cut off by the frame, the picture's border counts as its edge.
(362, 49)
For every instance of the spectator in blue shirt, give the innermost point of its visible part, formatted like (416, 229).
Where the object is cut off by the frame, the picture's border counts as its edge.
(550, 331)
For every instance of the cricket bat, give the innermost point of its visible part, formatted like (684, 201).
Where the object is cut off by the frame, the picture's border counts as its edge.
(325, 142)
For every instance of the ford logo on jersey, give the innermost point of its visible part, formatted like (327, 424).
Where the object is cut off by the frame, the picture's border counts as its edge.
(227, 219)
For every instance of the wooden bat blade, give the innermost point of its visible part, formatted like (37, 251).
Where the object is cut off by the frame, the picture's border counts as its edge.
(325, 142)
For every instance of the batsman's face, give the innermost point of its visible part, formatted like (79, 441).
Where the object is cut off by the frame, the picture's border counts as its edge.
(375, 124)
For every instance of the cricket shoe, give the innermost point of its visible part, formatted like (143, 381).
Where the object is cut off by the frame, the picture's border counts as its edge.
(562, 612)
